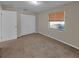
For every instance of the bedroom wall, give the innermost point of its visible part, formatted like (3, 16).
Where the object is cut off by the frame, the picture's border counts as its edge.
(0, 25)
(70, 35)
(0, 7)
(19, 11)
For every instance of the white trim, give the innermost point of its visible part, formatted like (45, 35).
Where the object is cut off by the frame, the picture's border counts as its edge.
(19, 36)
(8, 39)
(26, 34)
(60, 41)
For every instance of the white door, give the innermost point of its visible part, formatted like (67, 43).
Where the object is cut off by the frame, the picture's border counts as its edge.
(0, 25)
(9, 25)
(27, 24)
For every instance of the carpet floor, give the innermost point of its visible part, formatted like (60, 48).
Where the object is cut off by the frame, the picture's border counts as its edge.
(37, 46)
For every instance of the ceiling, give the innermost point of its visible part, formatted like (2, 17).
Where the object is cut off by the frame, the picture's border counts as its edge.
(26, 5)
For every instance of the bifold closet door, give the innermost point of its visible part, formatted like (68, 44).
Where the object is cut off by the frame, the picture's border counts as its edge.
(27, 24)
(9, 25)
(0, 25)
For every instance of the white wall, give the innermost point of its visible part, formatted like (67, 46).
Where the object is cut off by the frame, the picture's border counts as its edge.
(71, 33)
(0, 7)
(0, 22)
(27, 24)
(14, 8)
(0, 25)
(19, 11)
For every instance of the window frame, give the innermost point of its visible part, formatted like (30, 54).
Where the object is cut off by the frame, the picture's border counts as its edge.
(58, 29)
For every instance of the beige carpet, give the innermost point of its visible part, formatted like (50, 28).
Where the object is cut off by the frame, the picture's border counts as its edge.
(37, 46)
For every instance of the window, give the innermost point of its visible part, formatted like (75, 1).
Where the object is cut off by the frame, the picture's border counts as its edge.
(56, 20)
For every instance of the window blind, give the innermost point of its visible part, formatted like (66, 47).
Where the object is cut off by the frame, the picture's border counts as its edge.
(56, 16)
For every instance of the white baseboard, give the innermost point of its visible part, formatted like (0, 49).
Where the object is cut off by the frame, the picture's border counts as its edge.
(8, 39)
(60, 41)
(25, 34)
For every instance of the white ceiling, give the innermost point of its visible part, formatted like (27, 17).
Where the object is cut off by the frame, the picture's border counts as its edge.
(44, 5)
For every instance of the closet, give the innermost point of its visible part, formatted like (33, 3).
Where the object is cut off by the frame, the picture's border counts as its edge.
(8, 25)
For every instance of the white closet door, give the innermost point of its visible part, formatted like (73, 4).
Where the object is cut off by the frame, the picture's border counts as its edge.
(0, 25)
(27, 24)
(9, 25)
